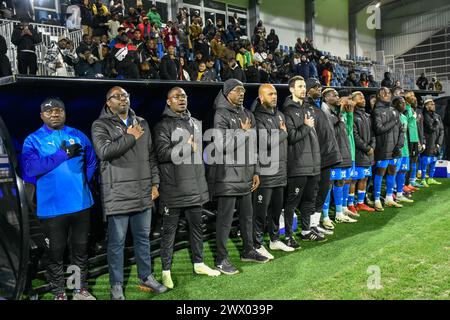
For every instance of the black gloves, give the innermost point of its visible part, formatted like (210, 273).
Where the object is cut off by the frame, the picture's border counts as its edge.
(72, 150)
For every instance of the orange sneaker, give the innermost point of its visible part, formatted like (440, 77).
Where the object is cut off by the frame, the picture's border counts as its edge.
(364, 207)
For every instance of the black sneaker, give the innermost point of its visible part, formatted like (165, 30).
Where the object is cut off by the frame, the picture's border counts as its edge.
(151, 285)
(291, 242)
(226, 267)
(313, 236)
(254, 256)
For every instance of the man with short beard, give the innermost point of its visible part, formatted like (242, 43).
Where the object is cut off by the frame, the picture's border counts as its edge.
(183, 185)
(270, 121)
(129, 185)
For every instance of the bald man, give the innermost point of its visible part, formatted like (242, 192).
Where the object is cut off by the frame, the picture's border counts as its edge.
(272, 135)
(129, 185)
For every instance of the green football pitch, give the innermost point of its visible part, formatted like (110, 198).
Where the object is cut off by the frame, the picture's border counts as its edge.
(398, 254)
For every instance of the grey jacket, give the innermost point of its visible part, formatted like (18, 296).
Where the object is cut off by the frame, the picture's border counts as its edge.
(128, 167)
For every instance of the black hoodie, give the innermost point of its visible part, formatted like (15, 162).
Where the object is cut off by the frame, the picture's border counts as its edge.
(128, 167)
(433, 128)
(233, 178)
(269, 121)
(303, 148)
(182, 185)
(364, 138)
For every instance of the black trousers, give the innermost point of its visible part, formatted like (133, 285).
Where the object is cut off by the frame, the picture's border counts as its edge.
(301, 194)
(263, 199)
(58, 230)
(224, 219)
(171, 217)
(27, 63)
(323, 187)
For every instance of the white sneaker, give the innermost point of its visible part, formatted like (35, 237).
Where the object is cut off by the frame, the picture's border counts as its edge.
(278, 245)
(201, 268)
(392, 204)
(324, 231)
(263, 251)
(328, 224)
(402, 198)
(167, 279)
(342, 218)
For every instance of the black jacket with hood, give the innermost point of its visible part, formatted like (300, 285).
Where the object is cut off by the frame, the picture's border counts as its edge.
(232, 178)
(182, 184)
(433, 128)
(303, 142)
(269, 121)
(340, 134)
(388, 132)
(128, 167)
(364, 138)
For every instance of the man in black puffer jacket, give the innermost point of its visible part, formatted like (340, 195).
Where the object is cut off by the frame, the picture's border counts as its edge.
(303, 161)
(270, 124)
(433, 128)
(330, 155)
(364, 149)
(331, 106)
(388, 149)
(234, 179)
(183, 183)
(129, 185)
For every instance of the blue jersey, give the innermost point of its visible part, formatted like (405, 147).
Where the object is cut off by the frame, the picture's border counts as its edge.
(61, 183)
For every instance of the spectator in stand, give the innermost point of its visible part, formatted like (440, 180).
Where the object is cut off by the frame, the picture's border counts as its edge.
(212, 76)
(305, 68)
(327, 73)
(259, 30)
(125, 57)
(61, 58)
(209, 30)
(98, 7)
(87, 17)
(146, 28)
(147, 72)
(435, 85)
(132, 16)
(351, 80)
(170, 33)
(233, 71)
(170, 66)
(154, 16)
(220, 27)
(193, 66)
(183, 73)
(25, 37)
(183, 38)
(89, 66)
(100, 21)
(387, 81)
(115, 7)
(299, 46)
(194, 32)
(363, 81)
(372, 82)
(242, 58)
(422, 82)
(73, 16)
(113, 24)
(397, 84)
(202, 45)
(150, 55)
(272, 41)
(5, 65)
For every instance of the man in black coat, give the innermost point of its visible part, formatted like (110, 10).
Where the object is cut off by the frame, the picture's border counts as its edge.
(5, 65)
(235, 173)
(170, 66)
(272, 136)
(434, 136)
(233, 71)
(304, 162)
(183, 183)
(388, 149)
(25, 37)
(129, 185)
(364, 149)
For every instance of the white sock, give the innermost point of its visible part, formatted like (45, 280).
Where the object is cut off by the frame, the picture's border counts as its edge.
(306, 232)
(399, 194)
(339, 214)
(389, 198)
(166, 272)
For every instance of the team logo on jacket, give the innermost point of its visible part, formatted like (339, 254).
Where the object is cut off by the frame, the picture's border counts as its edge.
(71, 141)
(166, 211)
(297, 114)
(270, 120)
(52, 143)
(260, 199)
(47, 242)
(234, 120)
(297, 191)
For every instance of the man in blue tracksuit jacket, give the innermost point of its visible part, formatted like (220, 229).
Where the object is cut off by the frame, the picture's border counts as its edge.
(63, 161)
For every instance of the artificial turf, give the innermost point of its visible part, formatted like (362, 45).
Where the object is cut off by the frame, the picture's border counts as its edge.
(410, 246)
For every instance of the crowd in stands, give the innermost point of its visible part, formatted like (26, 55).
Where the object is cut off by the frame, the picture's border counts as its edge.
(135, 44)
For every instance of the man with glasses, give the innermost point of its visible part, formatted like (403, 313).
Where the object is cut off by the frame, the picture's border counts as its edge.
(63, 161)
(129, 185)
(183, 182)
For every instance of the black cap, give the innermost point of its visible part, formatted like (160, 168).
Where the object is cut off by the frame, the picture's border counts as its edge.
(311, 83)
(51, 103)
(230, 84)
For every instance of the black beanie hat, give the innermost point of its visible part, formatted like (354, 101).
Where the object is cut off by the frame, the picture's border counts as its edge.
(51, 103)
(230, 84)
